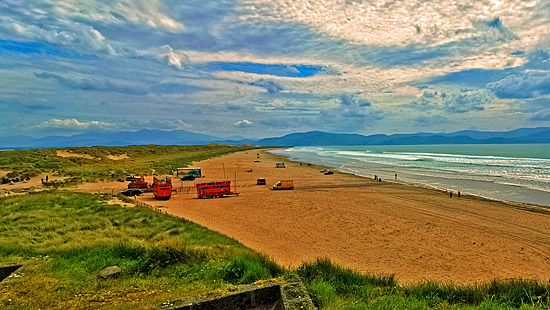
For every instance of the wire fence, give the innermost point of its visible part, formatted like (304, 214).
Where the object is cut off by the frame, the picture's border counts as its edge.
(140, 204)
(185, 189)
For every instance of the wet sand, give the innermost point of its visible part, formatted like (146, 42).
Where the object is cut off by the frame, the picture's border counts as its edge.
(373, 227)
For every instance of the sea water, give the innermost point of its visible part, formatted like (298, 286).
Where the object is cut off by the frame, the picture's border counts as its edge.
(513, 172)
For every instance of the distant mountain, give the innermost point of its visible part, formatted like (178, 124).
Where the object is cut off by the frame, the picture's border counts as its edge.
(516, 133)
(517, 136)
(182, 137)
(316, 138)
(108, 138)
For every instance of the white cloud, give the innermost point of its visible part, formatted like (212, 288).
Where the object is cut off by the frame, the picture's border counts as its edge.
(177, 124)
(431, 119)
(74, 124)
(542, 115)
(452, 100)
(172, 57)
(148, 12)
(379, 51)
(145, 12)
(529, 85)
(390, 23)
(163, 124)
(272, 87)
(92, 84)
(244, 123)
(77, 36)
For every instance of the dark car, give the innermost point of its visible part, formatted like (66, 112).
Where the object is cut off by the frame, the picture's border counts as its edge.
(131, 192)
(261, 181)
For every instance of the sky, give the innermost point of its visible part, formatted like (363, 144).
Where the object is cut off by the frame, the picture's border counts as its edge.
(263, 68)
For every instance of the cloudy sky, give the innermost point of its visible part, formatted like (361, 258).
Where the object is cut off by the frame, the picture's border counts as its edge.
(258, 68)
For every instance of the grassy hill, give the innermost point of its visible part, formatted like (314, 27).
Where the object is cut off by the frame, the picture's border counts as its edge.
(84, 164)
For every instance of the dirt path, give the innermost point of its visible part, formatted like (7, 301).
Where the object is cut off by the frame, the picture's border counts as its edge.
(376, 227)
(33, 183)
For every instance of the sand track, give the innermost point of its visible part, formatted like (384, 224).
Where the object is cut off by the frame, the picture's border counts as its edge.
(376, 227)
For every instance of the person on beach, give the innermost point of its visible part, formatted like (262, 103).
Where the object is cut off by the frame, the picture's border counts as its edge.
(451, 194)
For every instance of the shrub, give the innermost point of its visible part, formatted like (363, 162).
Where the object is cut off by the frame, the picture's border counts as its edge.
(247, 269)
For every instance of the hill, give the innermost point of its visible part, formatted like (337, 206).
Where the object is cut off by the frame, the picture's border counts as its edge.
(182, 137)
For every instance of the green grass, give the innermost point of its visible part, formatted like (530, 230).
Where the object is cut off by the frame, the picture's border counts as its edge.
(66, 238)
(334, 287)
(144, 159)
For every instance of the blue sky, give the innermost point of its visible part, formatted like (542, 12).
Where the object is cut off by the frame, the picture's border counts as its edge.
(259, 68)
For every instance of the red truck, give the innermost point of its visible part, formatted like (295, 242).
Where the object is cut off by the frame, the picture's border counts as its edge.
(214, 189)
(138, 182)
(162, 188)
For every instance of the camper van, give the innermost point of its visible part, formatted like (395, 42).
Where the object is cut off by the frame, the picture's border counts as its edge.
(284, 184)
(280, 165)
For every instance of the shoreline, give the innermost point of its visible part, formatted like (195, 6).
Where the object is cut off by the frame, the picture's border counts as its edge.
(464, 194)
(419, 234)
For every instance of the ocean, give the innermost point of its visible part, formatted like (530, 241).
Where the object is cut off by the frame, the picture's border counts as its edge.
(512, 172)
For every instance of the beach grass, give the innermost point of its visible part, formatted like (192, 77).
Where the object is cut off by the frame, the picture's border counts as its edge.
(335, 287)
(98, 163)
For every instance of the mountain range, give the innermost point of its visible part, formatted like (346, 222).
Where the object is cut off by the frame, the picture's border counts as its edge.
(311, 138)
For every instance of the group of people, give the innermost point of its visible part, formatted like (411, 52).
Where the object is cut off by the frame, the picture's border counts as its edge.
(451, 194)
(8, 180)
(377, 178)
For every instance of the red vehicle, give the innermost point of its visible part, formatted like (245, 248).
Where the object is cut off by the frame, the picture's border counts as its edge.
(214, 189)
(162, 188)
(138, 182)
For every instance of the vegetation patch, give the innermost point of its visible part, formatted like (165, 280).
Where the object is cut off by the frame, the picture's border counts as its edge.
(65, 239)
(335, 287)
(97, 163)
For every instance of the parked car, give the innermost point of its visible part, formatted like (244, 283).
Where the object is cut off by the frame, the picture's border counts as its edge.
(132, 192)
(261, 181)
(284, 184)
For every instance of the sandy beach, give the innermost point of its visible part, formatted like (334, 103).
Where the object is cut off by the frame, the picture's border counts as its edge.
(373, 227)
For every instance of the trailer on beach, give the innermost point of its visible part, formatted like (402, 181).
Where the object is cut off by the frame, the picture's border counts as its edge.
(214, 189)
(137, 182)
